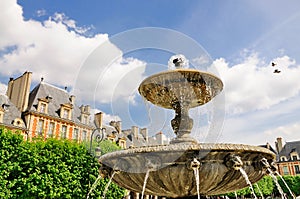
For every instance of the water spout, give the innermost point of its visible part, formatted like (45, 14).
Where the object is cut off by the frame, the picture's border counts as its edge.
(236, 196)
(145, 182)
(248, 181)
(277, 184)
(195, 165)
(107, 185)
(261, 194)
(93, 186)
(271, 170)
(290, 191)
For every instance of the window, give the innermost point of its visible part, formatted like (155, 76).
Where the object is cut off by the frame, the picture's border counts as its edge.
(43, 108)
(297, 169)
(66, 113)
(63, 131)
(51, 130)
(84, 135)
(294, 157)
(75, 134)
(40, 127)
(1, 116)
(122, 144)
(84, 119)
(285, 170)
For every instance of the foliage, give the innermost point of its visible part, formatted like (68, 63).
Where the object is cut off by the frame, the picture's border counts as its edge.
(293, 183)
(48, 169)
(106, 146)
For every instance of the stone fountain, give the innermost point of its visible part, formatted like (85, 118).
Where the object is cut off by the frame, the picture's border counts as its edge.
(170, 168)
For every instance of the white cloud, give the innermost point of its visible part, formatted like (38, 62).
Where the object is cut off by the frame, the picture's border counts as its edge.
(49, 48)
(41, 12)
(289, 130)
(3, 88)
(252, 85)
(57, 48)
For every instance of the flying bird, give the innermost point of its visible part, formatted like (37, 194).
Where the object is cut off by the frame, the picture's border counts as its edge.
(276, 71)
(273, 64)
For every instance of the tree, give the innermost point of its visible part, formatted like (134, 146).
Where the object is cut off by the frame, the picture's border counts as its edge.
(48, 169)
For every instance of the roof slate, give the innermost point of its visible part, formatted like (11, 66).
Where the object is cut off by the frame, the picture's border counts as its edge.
(59, 96)
(290, 147)
(12, 111)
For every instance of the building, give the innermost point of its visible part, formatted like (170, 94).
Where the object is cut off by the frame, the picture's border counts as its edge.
(46, 111)
(49, 111)
(288, 161)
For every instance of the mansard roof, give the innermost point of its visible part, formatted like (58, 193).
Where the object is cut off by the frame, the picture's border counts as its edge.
(11, 111)
(290, 147)
(56, 96)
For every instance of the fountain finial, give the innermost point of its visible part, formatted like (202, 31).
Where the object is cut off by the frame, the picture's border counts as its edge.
(178, 61)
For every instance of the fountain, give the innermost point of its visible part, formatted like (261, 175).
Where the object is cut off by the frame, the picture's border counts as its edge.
(185, 167)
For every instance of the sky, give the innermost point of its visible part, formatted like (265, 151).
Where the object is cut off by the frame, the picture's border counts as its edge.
(102, 51)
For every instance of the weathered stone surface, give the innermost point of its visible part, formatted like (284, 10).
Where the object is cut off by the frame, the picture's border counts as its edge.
(189, 86)
(170, 173)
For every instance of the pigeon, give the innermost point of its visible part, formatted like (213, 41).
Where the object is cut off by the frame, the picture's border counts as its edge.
(178, 62)
(277, 71)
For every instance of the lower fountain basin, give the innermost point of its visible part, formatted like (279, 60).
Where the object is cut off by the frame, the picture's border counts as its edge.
(171, 173)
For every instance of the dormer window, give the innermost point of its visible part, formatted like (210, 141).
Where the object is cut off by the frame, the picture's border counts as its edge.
(43, 105)
(43, 108)
(84, 119)
(294, 155)
(85, 114)
(66, 111)
(18, 122)
(283, 158)
(3, 108)
(1, 116)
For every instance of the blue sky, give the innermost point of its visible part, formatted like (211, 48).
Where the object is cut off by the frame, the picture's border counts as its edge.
(58, 39)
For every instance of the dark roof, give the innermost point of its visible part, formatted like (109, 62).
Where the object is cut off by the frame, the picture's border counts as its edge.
(58, 96)
(11, 112)
(290, 147)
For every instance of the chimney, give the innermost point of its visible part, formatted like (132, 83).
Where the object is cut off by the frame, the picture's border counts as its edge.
(18, 90)
(278, 144)
(144, 132)
(135, 131)
(119, 126)
(72, 99)
(159, 138)
(87, 109)
(98, 119)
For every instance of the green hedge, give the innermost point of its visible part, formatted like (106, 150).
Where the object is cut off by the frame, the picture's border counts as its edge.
(268, 187)
(48, 169)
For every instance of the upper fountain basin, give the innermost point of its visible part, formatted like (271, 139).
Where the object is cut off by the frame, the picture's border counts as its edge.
(180, 86)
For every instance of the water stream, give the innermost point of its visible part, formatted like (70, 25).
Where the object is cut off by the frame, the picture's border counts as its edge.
(93, 186)
(236, 196)
(196, 173)
(290, 191)
(276, 183)
(107, 185)
(248, 181)
(260, 193)
(145, 182)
